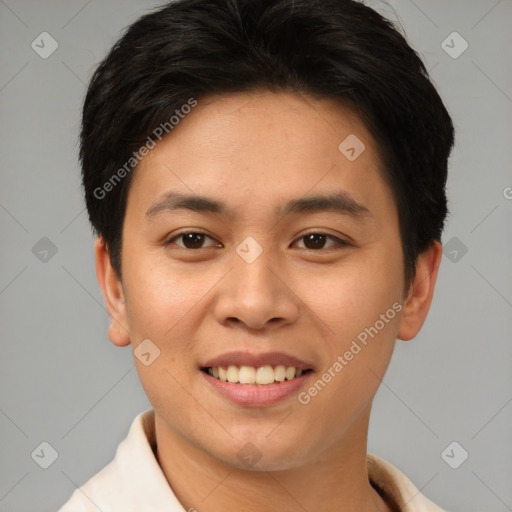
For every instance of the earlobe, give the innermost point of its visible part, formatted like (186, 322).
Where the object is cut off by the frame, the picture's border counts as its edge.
(418, 301)
(113, 294)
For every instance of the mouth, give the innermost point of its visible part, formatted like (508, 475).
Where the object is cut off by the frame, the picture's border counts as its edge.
(255, 376)
(256, 380)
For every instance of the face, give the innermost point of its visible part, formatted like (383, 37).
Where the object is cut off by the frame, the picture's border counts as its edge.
(286, 252)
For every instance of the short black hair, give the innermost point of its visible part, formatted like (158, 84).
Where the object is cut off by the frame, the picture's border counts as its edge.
(336, 49)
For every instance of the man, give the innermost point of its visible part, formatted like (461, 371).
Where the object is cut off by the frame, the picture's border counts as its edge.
(267, 182)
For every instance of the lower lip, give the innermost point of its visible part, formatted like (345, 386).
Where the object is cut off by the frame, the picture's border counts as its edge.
(257, 395)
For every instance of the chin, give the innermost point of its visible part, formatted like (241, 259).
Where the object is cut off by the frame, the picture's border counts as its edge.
(258, 452)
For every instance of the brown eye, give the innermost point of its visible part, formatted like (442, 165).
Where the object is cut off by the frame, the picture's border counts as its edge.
(316, 241)
(190, 240)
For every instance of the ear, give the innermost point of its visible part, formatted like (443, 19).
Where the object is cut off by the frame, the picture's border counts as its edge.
(113, 294)
(421, 292)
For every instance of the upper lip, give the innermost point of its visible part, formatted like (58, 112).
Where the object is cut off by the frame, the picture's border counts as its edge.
(238, 358)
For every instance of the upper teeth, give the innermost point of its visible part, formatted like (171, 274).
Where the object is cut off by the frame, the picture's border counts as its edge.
(250, 375)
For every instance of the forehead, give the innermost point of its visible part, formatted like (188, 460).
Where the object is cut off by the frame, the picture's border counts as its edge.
(254, 148)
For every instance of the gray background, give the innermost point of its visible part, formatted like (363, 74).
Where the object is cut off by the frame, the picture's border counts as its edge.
(63, 382)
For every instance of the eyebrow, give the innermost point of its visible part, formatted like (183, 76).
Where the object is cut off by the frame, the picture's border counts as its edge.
(342, 203)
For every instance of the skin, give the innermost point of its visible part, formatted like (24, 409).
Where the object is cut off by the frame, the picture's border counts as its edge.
(255, 152)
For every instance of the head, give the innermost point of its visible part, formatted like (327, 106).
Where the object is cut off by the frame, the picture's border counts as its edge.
(318, 106)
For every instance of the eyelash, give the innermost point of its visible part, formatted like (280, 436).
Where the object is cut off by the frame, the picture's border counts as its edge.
(340, 243)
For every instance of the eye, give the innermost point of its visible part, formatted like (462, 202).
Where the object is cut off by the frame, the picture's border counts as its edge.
(313, 241)
(191, 240)
(316, 240)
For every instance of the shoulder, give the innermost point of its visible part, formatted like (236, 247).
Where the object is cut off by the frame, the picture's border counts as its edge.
(112, 488)
(393, 485)
(98, 493)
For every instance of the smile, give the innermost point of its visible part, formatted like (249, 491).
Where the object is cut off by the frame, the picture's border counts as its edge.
(250, 375)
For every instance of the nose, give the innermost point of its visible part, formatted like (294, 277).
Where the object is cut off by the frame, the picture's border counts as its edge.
(256, 295)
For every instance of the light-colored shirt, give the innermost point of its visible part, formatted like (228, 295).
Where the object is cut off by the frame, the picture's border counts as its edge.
(134, 482)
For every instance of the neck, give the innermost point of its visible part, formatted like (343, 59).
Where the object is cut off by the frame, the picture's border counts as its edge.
(335, 479)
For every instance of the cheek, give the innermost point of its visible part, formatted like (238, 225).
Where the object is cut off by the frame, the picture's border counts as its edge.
(163, 308)
(352, 296)
(359, 317)
(157, 299)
